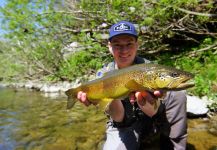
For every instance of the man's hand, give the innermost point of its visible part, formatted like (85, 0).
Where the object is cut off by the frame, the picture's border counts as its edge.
(82, 97)
(148, 102)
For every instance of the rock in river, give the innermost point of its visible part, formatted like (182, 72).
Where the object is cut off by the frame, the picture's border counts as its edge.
(196, 106)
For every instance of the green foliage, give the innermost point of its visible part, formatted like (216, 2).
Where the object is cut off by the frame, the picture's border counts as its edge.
(213, 106)
(33, 35)
(10, 67)
(81, 63)
(11, 70)
(204, 68)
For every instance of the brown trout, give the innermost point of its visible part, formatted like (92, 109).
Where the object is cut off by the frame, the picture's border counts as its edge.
(119, 83)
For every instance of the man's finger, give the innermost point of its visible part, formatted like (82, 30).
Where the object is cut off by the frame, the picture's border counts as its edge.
(79, 95)
(83, 97)
(132, 98)
(146, 96)
(160, 94)
(140, 99)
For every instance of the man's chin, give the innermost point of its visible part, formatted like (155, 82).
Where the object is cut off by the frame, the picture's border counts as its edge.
(125, 63)
(124, 59)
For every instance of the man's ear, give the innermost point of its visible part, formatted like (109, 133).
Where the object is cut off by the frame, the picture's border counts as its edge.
(110, 47)
(137, 44)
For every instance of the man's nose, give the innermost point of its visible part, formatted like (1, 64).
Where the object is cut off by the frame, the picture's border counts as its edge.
(124, 48)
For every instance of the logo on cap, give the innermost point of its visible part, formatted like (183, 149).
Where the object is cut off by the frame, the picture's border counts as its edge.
(122, 27)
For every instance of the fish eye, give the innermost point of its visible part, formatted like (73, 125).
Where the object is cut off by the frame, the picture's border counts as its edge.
(174, 74)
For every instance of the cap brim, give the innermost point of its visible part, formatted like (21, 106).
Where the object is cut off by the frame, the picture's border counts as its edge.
(110, 38)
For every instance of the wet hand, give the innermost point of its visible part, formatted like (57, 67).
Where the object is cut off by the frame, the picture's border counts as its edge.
(148, 102)
(150, 97)
(82, 97)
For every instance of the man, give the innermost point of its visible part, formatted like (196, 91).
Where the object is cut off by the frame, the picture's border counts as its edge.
(135, 119)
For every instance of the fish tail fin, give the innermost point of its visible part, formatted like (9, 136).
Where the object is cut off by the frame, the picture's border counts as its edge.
(70, 102)
(71, 93)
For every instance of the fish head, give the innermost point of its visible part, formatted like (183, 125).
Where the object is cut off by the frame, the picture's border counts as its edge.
(173, 79)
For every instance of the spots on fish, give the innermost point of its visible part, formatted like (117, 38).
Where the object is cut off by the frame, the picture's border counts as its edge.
(162, 76)
(147, 76)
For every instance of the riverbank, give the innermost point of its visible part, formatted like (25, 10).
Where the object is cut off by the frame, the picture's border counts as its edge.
(57, 87)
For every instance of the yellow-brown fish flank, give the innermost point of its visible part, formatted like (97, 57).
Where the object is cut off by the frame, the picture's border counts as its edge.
(119, 83)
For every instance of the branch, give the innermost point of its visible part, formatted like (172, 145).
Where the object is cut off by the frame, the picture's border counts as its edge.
(84, 30)
(203, 49)
(159, 49)
(63, 12)
(186, 30)
(197, 13)
(41, 66)
(192, 53)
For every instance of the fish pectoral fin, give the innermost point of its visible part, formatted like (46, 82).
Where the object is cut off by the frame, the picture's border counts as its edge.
(103, 104)
(134, 86)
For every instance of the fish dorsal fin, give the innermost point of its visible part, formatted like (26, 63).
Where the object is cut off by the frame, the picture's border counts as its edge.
(110, 72)
(135, 86)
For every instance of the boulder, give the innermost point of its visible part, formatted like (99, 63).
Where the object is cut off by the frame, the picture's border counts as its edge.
(196, 107)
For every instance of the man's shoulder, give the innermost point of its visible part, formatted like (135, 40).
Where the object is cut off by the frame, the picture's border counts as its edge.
(140, 60)
(106, 68)
(176, 95)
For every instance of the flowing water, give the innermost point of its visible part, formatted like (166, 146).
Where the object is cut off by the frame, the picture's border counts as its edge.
(31, 121)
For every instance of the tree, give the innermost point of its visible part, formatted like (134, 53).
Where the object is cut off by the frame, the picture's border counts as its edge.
(33, 35)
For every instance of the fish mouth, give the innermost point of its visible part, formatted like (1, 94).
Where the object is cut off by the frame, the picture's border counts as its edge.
(186, 84)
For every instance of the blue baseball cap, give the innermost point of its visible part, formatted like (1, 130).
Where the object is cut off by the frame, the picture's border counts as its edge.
(122, 27)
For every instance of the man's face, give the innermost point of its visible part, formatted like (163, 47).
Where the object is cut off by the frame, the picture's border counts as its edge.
(123, 49)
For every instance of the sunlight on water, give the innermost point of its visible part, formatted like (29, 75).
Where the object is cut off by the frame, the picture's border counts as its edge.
(32, 121)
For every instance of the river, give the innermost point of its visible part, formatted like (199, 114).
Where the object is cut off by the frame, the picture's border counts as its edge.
(32, 121)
